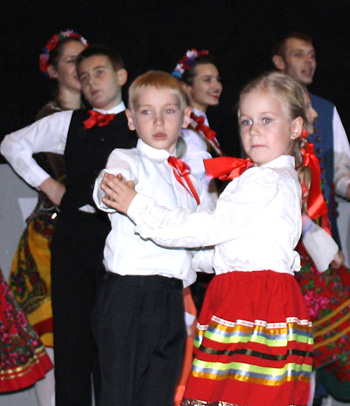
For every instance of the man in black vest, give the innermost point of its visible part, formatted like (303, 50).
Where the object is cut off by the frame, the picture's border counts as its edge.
(86, 139)
(295, 55)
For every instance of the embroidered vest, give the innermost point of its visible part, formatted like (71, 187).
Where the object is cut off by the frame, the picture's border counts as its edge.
(324, 148)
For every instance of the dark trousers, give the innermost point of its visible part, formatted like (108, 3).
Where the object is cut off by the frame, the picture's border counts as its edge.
(140, 333)
(77, 268)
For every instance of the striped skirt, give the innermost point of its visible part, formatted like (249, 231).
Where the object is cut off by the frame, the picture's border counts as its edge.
(253, 343)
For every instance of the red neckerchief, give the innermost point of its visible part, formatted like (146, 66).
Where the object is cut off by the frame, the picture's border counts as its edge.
(182, 172)
(97, 118)
(226, 168)
(208, 133)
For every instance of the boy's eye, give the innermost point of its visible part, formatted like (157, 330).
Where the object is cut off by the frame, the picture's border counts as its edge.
(99, 72)
(145, 112)
(83, 79)
(267, 120)
(170, 111)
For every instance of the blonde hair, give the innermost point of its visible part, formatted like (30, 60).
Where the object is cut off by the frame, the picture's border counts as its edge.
(282, 86)
(158, 80)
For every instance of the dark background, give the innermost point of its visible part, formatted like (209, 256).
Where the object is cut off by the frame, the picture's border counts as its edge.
(155, 34)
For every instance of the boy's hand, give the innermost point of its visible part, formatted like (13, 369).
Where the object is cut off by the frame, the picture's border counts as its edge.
(118, 193)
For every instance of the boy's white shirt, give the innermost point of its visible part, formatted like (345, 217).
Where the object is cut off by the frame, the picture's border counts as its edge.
(125, 252)
(46, 135)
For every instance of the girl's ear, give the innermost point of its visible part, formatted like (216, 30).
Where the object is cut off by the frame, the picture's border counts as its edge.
(187, 89)
(130, 119)
(296, 128)
(187, 117)
(52, 71)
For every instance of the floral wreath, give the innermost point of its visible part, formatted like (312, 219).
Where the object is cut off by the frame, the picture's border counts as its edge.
(187, 61)
(52, 44)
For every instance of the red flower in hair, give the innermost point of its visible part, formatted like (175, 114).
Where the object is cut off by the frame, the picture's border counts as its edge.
(44, 62)
(52, 43)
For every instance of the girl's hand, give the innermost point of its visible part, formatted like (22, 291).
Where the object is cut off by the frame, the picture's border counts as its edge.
(53, 190)
(338, 260)
(118, 193)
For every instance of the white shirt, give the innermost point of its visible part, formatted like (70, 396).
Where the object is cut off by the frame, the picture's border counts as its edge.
(196, 152)
(341, 156)
(125, 252)
(255, 226)
(46, 135)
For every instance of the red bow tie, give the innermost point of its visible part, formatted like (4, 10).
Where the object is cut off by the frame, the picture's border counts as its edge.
(207, 131)
(226, 168)
(182, 172)
(97, 118)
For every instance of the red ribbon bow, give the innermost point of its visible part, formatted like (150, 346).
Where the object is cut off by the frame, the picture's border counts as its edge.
(226, 168)
(206, 130)
(97, 118)
(182, 172)
(316, 205)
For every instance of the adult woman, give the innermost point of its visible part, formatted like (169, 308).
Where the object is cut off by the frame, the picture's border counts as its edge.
(30, 277)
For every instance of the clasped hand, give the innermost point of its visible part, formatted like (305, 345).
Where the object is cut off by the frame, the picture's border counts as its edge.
(118, 193)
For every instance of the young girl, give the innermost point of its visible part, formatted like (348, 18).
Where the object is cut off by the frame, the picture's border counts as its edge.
(30, 277)
(254, 338)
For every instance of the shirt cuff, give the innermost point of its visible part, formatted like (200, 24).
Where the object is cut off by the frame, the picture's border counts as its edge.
(137, 206)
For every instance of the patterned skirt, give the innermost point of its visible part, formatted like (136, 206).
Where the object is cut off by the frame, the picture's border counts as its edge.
(327, 298)
(253, 344)
(23, 359)
(30, 277)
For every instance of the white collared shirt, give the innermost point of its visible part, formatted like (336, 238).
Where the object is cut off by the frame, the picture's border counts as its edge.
(46, 135)
(125, 252)
(255, 226)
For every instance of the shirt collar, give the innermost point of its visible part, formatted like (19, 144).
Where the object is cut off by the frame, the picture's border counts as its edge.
(281, 161)
(158, 155)
(114, 110)
(200, 113)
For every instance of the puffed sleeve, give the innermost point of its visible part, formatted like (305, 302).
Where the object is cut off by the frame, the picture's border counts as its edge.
(119, 162)
(46, 135)
(243, 200)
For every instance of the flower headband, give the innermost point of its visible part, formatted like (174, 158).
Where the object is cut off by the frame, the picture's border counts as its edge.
(53, 43)
(187, 61)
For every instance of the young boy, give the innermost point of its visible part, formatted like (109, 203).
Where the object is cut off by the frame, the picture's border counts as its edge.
(139, 317)
(86, 139)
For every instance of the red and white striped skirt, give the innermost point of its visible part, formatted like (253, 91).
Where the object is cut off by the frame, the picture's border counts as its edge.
(253, 344)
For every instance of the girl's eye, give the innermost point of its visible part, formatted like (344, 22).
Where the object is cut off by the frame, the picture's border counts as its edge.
(246, 122)
(170, 111)
(267, 120)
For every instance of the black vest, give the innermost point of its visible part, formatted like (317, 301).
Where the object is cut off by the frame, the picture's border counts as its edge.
(86, 154)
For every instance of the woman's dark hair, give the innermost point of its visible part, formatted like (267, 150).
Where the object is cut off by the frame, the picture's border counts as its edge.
(56, 53)
(190, 73)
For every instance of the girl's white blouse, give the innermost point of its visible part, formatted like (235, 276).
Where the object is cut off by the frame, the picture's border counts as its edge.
(255, 226)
